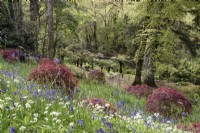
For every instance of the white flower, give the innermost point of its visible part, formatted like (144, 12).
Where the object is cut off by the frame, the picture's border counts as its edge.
(35, 115)
(168, 129)
(60, 103)
(46, 119)
(54, 119)
(8, 82)
(8, 98)
(55, 113)
(1, 101)
(71, 116)
(45, 112)
(107, 105)
(67, 103)
(71, 124)
(99, 107)
(25, 97)
(16, 104)
(47, 108)
(22, 128)
(28, 105)
(35, 119)
(58, 121)
(16, 80)
(156, 114)
(30, 101)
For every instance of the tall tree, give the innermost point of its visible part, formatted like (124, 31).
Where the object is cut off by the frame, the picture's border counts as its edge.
(50, 48)
(34, 14)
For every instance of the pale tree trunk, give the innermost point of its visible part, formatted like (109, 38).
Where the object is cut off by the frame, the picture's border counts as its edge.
(50, 48)
(149, 72)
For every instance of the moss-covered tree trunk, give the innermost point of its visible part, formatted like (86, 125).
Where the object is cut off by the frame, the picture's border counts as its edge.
(138, 72)
(149, 72)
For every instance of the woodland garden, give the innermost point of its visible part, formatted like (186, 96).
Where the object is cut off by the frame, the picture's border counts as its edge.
(99, 66)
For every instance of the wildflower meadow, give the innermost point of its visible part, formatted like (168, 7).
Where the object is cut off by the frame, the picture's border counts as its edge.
(26, 106)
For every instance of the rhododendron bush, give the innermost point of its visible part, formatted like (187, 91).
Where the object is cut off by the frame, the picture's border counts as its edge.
(168, 102)
(139, 90)
(97, 76)
(57, 74)
(11, 55)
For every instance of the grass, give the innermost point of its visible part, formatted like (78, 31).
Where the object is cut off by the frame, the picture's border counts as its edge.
(28, 107)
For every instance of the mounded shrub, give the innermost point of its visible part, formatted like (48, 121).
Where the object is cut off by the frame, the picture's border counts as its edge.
(57, 74)
(139, 90)
(10, 55)
(192, 127)
(168, 102)
(106, 106)
(97, 76)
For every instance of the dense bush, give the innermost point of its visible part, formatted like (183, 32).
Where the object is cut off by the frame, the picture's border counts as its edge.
(193, 127)
(168, 102)
(97, 76)
(57, 74)
(139, 90)
(11, 55)
(186, 71)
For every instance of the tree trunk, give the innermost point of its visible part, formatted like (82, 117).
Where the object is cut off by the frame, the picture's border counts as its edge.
(138, 72)
(95, 35)
(34, 14)
(50, 49)
(121, 68)
(77, 63)
(81, 63)
(10, 5)
(149, 72)
(21, 16)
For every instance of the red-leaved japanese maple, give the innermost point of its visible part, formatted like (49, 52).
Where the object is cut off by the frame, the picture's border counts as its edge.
(168, 102)
(139, 90)
(11, 55)
(57, 74)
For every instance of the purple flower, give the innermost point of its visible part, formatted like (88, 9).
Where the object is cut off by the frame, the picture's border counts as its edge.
(35, 93)
(80, 122)
(15, 93)
(100, 131)
(53, 92)
(57, 61)
(13, 103)
(120, 103)
(12, 130)
(71, 108)
(109, 125)
(183, 114)
(7, 107)
(103, 120)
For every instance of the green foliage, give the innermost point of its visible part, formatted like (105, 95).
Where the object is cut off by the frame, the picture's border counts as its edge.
(187, 71)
